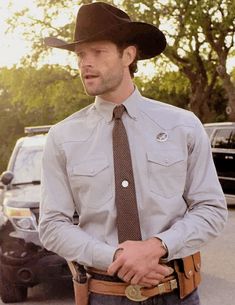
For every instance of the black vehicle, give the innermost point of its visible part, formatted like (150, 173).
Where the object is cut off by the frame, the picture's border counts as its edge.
(222, 137)
(23, 261)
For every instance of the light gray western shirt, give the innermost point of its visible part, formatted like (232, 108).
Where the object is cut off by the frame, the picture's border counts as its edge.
(179, 197)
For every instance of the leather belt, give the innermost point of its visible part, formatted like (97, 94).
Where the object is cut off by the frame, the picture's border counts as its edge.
(133, 292)
(102, 275)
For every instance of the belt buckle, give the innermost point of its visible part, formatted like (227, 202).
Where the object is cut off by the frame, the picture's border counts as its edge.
(173, 284)
(133, 293)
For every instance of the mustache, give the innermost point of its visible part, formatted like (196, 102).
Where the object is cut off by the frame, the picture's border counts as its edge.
(89, 73)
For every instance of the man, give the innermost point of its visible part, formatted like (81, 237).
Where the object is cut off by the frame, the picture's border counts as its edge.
(180, 204)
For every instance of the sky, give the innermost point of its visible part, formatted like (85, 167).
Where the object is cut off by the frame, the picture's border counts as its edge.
(13, 46)
(8, 53)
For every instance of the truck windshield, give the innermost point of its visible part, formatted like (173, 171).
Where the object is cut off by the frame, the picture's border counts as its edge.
(27, 166)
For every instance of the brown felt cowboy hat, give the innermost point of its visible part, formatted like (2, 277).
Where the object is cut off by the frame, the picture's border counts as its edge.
(102, 21)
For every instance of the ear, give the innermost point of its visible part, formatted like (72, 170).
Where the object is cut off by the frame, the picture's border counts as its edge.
(129, 55)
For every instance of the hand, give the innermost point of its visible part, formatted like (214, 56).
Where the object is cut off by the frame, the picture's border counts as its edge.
(153, 278)
(137, 262)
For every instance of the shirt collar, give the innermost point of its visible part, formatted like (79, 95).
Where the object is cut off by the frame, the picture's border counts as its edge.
(105, 108)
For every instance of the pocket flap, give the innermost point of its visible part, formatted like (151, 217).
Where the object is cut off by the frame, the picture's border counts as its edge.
(197, 261)
(90, 167)
(191, 264)
(166, 158)
(188, 266)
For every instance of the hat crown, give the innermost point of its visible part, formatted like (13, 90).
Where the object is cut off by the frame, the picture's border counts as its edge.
(102, 21)
(97, 17)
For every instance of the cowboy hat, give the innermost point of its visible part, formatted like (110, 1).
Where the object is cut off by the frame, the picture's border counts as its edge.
(102, 21)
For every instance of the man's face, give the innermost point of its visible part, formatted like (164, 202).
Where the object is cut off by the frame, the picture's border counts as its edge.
(101, 67)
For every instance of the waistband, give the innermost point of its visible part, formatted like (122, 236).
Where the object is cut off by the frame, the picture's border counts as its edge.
(186, 278)
(101, 283)
(133, 292)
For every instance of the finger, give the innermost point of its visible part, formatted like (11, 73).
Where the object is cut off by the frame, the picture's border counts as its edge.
(127, 277)
(145, 284)
(114, 267)
(154, 276)
(164, 270)
(135, 280)
(150, 281)
(146, 281)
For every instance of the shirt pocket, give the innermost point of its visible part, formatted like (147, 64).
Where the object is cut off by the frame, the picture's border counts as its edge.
(167, 172)
(91, 182)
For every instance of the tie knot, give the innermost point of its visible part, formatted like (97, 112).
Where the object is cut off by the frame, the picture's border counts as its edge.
(118, 111)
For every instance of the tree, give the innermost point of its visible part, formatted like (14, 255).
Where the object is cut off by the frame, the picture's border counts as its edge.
(218, 25)
(189, 46)
(174, 88)
(197, 44)
(30, 96)
(47, 23)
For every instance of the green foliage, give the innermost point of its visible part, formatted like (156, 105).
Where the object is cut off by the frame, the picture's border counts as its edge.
(35, 97)
(233, 75)
(172, 88)
(200, 37)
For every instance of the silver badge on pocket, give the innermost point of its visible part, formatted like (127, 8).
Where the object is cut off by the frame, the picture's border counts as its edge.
(162, 137)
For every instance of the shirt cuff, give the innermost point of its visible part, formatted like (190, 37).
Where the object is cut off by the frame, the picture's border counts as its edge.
(173, 241)
(102, 256)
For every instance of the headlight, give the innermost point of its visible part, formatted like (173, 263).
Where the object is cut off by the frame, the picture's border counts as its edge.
(3, 218)
(21, 218)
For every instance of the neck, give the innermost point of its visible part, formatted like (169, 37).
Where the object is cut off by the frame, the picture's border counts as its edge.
(120, 94)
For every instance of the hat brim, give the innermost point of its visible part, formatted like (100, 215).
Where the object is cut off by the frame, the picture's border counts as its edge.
(149, 39)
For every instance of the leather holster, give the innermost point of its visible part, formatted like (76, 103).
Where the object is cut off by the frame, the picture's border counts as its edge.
(80, 292)
(80, 283)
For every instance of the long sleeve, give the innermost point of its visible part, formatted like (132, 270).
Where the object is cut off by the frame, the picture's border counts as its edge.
(56, 229)
(206, 214)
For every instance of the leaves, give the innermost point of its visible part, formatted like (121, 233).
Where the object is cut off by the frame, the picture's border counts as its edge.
(30, 96)
(200, 36)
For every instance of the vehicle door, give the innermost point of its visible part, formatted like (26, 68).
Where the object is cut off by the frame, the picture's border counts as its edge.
(223, 148)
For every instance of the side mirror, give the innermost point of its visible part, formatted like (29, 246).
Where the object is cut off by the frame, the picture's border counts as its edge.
(7, 177)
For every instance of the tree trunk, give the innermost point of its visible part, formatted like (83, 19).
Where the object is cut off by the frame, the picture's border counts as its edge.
(200, 94)
(199, 103)
(230, 90)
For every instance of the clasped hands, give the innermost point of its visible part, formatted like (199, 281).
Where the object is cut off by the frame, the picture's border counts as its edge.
(138, 262)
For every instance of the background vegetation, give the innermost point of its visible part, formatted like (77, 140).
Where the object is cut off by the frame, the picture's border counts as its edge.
(192, 72)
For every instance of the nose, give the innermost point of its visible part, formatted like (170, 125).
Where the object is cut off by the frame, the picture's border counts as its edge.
(84, 61)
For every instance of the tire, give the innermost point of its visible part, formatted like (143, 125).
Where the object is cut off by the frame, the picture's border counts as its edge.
(10, 293)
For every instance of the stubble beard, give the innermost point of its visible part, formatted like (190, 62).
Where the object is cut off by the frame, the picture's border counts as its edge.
(106, 84)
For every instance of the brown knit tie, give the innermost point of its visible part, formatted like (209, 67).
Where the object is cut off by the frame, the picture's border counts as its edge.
(128, 225)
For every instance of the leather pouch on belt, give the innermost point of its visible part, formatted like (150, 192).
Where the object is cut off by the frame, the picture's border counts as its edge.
(80, 292)
(80, 283)
(188, 273)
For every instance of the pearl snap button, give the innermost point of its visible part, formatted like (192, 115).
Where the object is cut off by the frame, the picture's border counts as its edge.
(125, 183)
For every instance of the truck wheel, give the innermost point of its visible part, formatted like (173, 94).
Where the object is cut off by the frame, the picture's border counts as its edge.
(10, 293)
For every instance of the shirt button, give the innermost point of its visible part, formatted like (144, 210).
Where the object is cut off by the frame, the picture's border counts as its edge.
(125, 183)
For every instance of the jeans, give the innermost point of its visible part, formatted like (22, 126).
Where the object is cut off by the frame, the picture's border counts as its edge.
(165, 299)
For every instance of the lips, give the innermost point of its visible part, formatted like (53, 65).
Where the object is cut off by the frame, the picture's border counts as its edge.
(89, 76)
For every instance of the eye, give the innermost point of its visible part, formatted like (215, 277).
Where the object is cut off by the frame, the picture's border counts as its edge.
(80, 54)
(97, 51)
